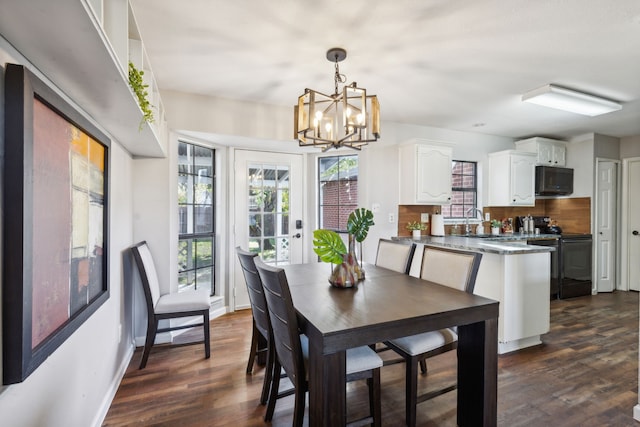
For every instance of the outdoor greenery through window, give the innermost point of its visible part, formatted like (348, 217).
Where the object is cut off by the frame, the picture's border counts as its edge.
(196, 240)
(464, 189)
(338, 190)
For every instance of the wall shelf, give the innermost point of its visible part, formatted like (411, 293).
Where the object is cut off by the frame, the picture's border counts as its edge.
(69, 43)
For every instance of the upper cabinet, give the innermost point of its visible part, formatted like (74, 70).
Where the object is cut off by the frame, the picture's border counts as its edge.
(512, 178)
(551, 152)
(84, 48)
(425, 174)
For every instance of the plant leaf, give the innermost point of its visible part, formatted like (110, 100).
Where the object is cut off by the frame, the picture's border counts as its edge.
(359, 222)
(328, 245)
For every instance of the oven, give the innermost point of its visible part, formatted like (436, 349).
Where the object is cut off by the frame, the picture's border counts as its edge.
(575, 265)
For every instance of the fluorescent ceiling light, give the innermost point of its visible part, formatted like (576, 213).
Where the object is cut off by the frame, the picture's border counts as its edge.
(570, 100)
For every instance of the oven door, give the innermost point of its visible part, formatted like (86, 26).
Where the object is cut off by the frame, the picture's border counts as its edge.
(575, 271)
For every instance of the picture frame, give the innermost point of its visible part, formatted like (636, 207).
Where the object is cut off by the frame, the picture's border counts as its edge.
(55, 224)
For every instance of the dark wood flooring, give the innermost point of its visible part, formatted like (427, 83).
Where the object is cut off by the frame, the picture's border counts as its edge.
(585, 374)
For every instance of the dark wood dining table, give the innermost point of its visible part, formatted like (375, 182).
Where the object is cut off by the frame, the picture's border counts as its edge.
(384, 306)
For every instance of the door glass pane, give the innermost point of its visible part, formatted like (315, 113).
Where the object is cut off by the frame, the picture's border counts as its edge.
(268, 211)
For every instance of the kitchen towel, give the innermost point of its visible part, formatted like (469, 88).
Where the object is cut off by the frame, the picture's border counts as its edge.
(437, 225)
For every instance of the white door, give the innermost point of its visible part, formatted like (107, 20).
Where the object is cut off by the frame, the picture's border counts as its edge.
(268, 211)
(606, 220)
(632, 227)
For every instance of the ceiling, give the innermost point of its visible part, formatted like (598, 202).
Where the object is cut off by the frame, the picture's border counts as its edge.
(460, 65)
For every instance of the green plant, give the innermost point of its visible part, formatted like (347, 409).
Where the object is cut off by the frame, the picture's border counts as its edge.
(328, 245)
(415, 225)
(495, 223)
(140, 89)
(359, 222)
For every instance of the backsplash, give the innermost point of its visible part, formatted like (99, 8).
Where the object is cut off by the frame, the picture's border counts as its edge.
(573, 215)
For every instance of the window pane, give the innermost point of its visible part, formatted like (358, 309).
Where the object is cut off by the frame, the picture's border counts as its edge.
(203, 219)
(268, 225)
(255, 225)
(204, 253)
(337, 189)
(283, 223)
(204, 278)
(185, 254)
(269, 250)
(283, 250)
(203, 161)
(184, 158)
(203, 190)
(186, 281)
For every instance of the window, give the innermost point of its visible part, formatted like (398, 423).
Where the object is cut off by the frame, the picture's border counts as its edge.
(464, 189)
(338, 190)
(196, 240)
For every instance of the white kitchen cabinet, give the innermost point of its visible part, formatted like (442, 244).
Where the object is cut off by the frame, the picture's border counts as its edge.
(425, 174)
(521, 283)
(551, 152)
(512, 178)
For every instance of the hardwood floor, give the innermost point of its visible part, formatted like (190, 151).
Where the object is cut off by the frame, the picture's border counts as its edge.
(585, 374)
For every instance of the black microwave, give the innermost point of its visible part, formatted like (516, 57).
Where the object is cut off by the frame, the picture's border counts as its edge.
(553, 181)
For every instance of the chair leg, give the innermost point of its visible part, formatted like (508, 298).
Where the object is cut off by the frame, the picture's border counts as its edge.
(254, 348)
(375, 406)
(268, 375)
(273, 394)
(152, 326)
(423, 367)
(207, 334)
(411, 391)
(298, 414)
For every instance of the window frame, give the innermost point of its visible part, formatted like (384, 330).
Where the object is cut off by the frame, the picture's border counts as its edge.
(474, 189)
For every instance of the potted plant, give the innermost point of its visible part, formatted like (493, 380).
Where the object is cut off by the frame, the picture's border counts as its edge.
(416, 228)
(495, 226)
(330, 247)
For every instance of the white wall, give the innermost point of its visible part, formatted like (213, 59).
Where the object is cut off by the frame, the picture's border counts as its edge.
(630, 147)
(75, 385)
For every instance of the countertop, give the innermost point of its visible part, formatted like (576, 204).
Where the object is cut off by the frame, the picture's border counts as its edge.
(504, 244)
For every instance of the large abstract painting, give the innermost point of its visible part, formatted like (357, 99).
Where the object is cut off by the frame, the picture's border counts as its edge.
(55, 222)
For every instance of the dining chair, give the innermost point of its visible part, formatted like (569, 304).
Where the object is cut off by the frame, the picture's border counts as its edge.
(261, 332)
(449, 267)
(292, 351)
(395, 255)
(168, 306)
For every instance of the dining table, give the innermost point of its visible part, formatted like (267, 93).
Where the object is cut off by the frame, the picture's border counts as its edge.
(383, 306)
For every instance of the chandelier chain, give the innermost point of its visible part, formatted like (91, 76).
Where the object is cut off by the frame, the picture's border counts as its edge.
(338, 78)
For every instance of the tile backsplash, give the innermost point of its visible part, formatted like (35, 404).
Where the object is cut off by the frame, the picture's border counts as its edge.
(573, 215)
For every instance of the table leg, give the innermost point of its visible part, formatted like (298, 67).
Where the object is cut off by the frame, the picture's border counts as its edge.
(327, 388)
(478, 374)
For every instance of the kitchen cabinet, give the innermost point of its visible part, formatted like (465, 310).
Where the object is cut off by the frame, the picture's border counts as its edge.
(425, 174)
(512, 178)
(551, 152)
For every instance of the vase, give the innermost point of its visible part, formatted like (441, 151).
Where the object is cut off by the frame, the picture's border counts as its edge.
(495, 231)
(349, 273)
(416, 234)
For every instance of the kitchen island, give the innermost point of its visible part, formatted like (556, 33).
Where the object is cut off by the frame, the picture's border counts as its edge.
(511, 272)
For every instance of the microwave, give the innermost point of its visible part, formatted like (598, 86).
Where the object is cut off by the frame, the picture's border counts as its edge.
(553, 181)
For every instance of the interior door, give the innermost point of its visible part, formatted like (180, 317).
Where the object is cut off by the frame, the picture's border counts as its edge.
(632, 229)
(268, 211)
(606, 220)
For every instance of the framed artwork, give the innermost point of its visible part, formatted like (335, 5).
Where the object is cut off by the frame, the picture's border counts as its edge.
(55, 230)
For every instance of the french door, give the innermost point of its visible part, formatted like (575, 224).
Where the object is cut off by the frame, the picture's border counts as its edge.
(268, 211)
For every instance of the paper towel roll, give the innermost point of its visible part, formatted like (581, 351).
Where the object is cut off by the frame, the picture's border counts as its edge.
(437, 225)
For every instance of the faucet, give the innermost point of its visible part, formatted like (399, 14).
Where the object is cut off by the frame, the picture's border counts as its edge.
(467, 228)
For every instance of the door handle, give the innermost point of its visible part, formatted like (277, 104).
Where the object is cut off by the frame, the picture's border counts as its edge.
(296, 236)
(634, 232)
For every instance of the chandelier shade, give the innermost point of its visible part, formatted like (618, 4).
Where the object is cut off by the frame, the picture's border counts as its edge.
(347, 118)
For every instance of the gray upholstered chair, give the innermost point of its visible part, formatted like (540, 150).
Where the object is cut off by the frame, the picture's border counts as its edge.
(168, 306)
(449, 267)
(395, 255)
(291, 349)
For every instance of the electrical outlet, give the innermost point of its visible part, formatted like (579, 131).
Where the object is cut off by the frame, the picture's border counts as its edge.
(392, 218)
(375, 207)
(424, 217)
(487, 216)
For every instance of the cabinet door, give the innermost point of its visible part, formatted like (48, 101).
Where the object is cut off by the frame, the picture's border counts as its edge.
(522, 180)
(559, 155)
(433, 175)
(545, 153)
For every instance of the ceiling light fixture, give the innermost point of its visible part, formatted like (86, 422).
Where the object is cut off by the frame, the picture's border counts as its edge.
(348, 118)
(570, 100)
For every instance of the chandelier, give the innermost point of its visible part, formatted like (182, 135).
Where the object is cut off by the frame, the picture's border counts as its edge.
(347, 118)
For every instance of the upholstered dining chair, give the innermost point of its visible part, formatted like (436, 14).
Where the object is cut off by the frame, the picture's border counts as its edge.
(168, 306)
(261, 332)
(292, 350)
(395, 255)
(449, 267)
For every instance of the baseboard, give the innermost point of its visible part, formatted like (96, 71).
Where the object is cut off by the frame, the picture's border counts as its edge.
(113, 387)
